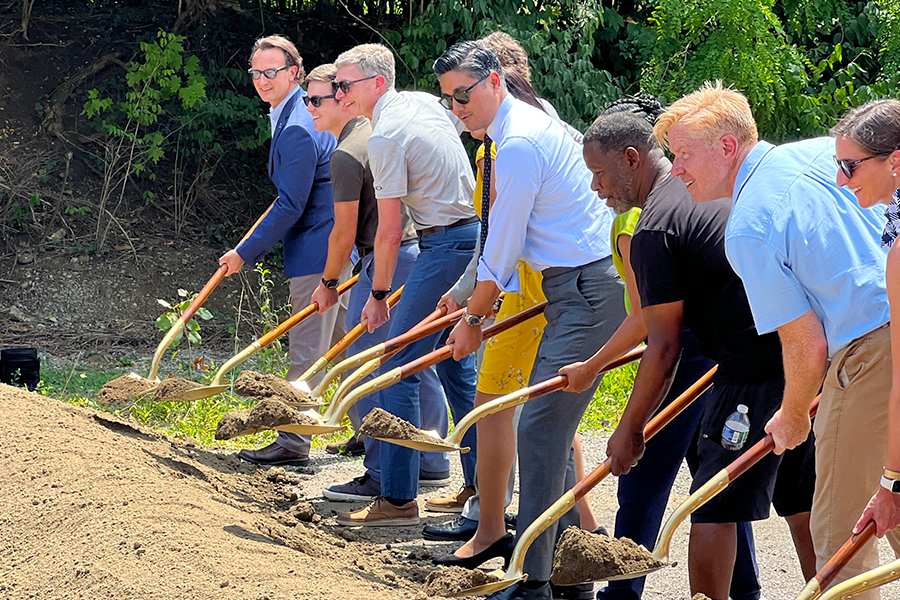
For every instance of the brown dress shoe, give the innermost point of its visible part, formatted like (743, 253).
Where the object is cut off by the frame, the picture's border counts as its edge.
(382, 513)
(453, 503)
(352, 447)
(272, 455)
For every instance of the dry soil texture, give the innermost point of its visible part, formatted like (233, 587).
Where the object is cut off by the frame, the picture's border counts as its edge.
(95, 507)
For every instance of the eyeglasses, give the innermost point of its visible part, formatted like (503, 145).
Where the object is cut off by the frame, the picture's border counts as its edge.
(344, 86)
(848, 166)
(459, 96)
(316, 101)
(269, 73)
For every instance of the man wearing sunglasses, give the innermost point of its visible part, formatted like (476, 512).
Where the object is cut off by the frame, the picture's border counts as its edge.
(301, 217)
(545, 213)
(813, 268)
(417, 159)
(355, 223)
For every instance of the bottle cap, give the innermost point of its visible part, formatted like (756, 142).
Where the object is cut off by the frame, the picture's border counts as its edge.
(742, 408)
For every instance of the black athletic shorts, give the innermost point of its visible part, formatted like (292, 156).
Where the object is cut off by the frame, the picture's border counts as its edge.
(749, 496)
(796, 480)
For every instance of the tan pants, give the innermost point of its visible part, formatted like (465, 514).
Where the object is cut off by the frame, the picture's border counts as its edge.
(851, 441)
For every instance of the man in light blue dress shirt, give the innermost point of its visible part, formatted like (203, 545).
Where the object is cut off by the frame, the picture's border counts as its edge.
(546, 213)
(812, 265)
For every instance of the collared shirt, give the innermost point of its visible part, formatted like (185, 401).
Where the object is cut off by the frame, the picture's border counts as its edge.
(416, 155)
(800, 242)
(275, 111)
(545, 211)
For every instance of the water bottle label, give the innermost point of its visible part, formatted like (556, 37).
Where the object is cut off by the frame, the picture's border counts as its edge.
(730, 435)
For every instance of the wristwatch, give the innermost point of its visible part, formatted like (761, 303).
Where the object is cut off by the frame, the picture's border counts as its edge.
(891, 485)
(473, 320)
(330, 283)
(381, 294)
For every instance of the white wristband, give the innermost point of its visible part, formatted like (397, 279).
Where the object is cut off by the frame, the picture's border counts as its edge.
(891, 485)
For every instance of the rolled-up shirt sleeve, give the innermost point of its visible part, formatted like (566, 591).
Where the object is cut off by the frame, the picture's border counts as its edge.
(776, 297)
(517, 170)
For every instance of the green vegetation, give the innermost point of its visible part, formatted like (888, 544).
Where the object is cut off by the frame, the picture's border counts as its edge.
(606, 408)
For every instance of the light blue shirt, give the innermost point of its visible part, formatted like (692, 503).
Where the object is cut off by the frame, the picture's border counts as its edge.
(800, 242)
(275, 112)
(545, 211)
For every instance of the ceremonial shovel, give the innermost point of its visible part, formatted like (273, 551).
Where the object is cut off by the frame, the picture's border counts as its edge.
(515, 572)
(331, 420)
(496, 405)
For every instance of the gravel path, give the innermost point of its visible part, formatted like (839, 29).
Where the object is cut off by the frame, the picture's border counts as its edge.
(779, 569)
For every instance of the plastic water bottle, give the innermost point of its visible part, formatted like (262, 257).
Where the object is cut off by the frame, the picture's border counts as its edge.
(736, 430)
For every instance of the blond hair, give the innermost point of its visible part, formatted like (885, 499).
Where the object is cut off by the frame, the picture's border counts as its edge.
(291, 54)
(325, 73)
(510, 52)
(370, 60)
(709, 113)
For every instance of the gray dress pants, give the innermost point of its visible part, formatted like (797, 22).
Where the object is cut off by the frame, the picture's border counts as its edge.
(584, 309)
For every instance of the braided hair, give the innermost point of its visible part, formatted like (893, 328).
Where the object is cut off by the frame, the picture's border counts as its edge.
(626, 122)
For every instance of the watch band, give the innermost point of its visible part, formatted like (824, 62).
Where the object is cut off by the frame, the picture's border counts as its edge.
(891, 485)
(330, 283)
(473, 320)
(381, 294)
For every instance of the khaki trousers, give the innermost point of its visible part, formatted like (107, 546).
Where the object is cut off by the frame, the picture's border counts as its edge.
(851, 441)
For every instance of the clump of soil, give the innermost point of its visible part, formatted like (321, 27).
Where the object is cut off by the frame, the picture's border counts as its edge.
(263, 385)
(123, 389)
(174, 386)
(304, 511)
(379, 423)
(582, 556)
(700, 597)
(268, 414)
(452, 580)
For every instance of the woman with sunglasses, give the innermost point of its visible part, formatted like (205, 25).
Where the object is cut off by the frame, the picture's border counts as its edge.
(867, 151)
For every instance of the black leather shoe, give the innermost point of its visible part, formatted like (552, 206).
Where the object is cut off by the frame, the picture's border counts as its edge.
(582, 591)
(459, 529)
(502, 547)
(519, 592)
(272, 455)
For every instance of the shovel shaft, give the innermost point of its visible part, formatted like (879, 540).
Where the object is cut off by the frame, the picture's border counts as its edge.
(865, 581)
(198, 301)
(843, 556)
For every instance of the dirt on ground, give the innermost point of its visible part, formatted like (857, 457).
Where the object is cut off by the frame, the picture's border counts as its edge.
(584, 556)
(381, 424)
(452, 580)
(268, 414)
(97, 507)
(123, 389)
(264, 385)
(169, 389)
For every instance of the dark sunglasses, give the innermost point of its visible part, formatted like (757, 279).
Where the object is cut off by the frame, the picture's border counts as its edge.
(459, 96)
(316, 101)
(848, 166)
(269, 73)
(344, 86)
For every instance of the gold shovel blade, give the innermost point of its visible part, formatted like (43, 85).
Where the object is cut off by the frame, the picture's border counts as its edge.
(301, 385)
(635, 574)
(309, 429)
(438, 445)
(197, 394)
(489, 588)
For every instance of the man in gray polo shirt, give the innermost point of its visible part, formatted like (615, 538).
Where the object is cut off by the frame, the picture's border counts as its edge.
(416, 158)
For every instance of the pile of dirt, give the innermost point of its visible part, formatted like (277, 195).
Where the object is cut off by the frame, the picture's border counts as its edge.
(263, 385)
(700, 597)
(582, 556)
(268, 414)
(381, 424)
(98, 507)
(123, 389)
(452, 580)
(169, 389)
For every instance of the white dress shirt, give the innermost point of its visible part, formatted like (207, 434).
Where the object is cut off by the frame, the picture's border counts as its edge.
(545, 211)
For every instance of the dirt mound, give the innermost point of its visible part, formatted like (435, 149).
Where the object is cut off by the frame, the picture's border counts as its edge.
(379, 423)
(98, 507)
(582, 556)
(123, 389)
(263, 385)
(173, 387)
(700, 597)
(452, 580)
(268, 414)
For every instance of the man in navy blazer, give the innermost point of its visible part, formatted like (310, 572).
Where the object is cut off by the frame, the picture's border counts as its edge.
(301, 217)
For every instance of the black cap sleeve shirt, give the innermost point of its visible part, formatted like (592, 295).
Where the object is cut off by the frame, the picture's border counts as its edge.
(678, 254)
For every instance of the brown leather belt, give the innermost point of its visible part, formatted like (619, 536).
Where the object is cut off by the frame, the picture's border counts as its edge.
(439, 228)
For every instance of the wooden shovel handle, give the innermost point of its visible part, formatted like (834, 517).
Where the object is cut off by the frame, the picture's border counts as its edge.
(664, 417)
(355, 333)
(445, 352)
(300, 316)
(422, 330)
(846, 553)
(204, 293)
(759, 450)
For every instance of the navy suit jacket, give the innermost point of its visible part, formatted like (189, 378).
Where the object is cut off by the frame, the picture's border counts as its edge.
(303, 214)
